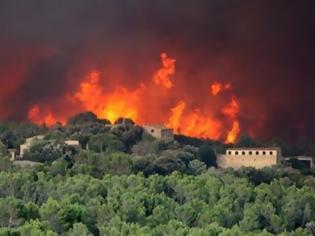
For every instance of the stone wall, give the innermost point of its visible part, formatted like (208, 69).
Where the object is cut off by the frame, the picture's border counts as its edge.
(159, 131)
(226, 161)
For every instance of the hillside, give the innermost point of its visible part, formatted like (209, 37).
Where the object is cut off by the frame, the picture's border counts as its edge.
(122, 181)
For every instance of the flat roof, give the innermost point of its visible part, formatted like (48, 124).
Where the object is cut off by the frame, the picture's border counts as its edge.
(267, 148)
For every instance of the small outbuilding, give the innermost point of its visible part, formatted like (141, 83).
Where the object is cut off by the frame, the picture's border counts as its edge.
(159, 131)
(13, 153)
(307, 160)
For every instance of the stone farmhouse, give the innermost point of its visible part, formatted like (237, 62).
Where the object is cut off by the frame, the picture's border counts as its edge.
(159, 131)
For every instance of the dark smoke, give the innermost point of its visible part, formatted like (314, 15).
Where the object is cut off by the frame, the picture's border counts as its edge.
(264, 47)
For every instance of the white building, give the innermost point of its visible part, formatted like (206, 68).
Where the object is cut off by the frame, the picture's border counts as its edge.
(74, 143)
(249, 157)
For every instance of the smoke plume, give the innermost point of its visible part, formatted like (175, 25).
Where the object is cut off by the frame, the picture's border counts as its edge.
(260, 54)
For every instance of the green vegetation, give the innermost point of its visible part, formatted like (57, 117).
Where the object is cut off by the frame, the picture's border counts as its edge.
(124, 182)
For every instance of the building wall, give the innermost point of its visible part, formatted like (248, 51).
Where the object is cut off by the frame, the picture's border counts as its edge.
(249, 157)
(74, 143)
(12, 152)
(159, 132)
(154, 132)
(253, 152)
(167, 133)
(24, 147)
(228, 161)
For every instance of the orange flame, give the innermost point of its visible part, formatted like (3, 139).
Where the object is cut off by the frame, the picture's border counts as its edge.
(233, 134)
(176, 115)
(90, 93)
(232, 109)
(37, 116)
(193, 123)
(163, 75)
(216, 88)
(120, 103)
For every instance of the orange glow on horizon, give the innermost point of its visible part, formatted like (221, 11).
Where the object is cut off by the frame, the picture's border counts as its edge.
(183, 117)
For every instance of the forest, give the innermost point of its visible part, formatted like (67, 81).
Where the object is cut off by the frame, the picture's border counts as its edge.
(122, 181)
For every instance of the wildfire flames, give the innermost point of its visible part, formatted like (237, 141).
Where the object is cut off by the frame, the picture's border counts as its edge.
(120, 103)
(193, 123)
(163, 75)
(182, 116)
(36, 115)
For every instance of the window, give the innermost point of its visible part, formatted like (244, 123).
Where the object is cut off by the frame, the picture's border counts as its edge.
(243, 153)
(264, 153)
(229, 152)
(257, 153)
(271, 153)
(250, 153)
(236, 153)
(152, 130)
